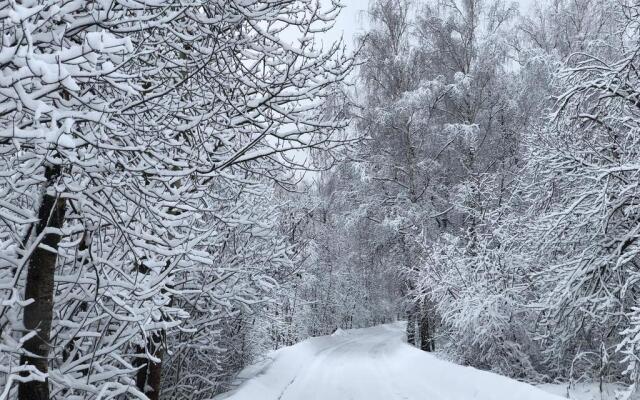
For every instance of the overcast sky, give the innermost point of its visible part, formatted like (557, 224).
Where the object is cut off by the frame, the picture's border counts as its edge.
(353, 17)
(351, 21)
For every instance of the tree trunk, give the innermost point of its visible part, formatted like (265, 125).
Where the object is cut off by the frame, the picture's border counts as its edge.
(39, 287)
(149, 376)
(141, 375)
(155, 379)
(426, 335)
(411, 326)
(154, 371)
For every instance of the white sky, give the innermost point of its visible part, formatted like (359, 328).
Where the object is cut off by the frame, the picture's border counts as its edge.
(353, 17)
(351, 21)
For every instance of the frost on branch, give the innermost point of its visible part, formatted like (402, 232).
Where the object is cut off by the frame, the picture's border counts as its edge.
(149, 129)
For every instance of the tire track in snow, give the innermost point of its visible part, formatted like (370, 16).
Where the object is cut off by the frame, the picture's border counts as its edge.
(319, 358)
(374, 364)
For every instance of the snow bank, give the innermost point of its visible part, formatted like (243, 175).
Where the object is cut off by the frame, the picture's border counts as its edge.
(585, 391)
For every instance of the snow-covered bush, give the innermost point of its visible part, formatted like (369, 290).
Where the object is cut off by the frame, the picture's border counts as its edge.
(587, 178)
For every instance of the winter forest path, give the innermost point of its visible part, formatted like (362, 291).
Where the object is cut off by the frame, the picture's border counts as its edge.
(371, 364)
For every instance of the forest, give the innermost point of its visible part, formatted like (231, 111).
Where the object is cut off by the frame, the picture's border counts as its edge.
(188, 185)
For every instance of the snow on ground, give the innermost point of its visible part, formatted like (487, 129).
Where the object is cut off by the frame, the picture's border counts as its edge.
(371, 364)
(584, 391)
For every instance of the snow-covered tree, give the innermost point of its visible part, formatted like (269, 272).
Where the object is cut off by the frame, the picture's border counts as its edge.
(585, 204)
(126, 130)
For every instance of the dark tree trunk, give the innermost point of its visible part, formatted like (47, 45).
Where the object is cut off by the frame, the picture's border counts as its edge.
(426, 328)
(141, 375)
(149, 376)
(39, 287)
(411, 326)
(154, 376)
(426, 334)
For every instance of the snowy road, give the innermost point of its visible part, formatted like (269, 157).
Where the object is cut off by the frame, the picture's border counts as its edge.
(371, 364)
